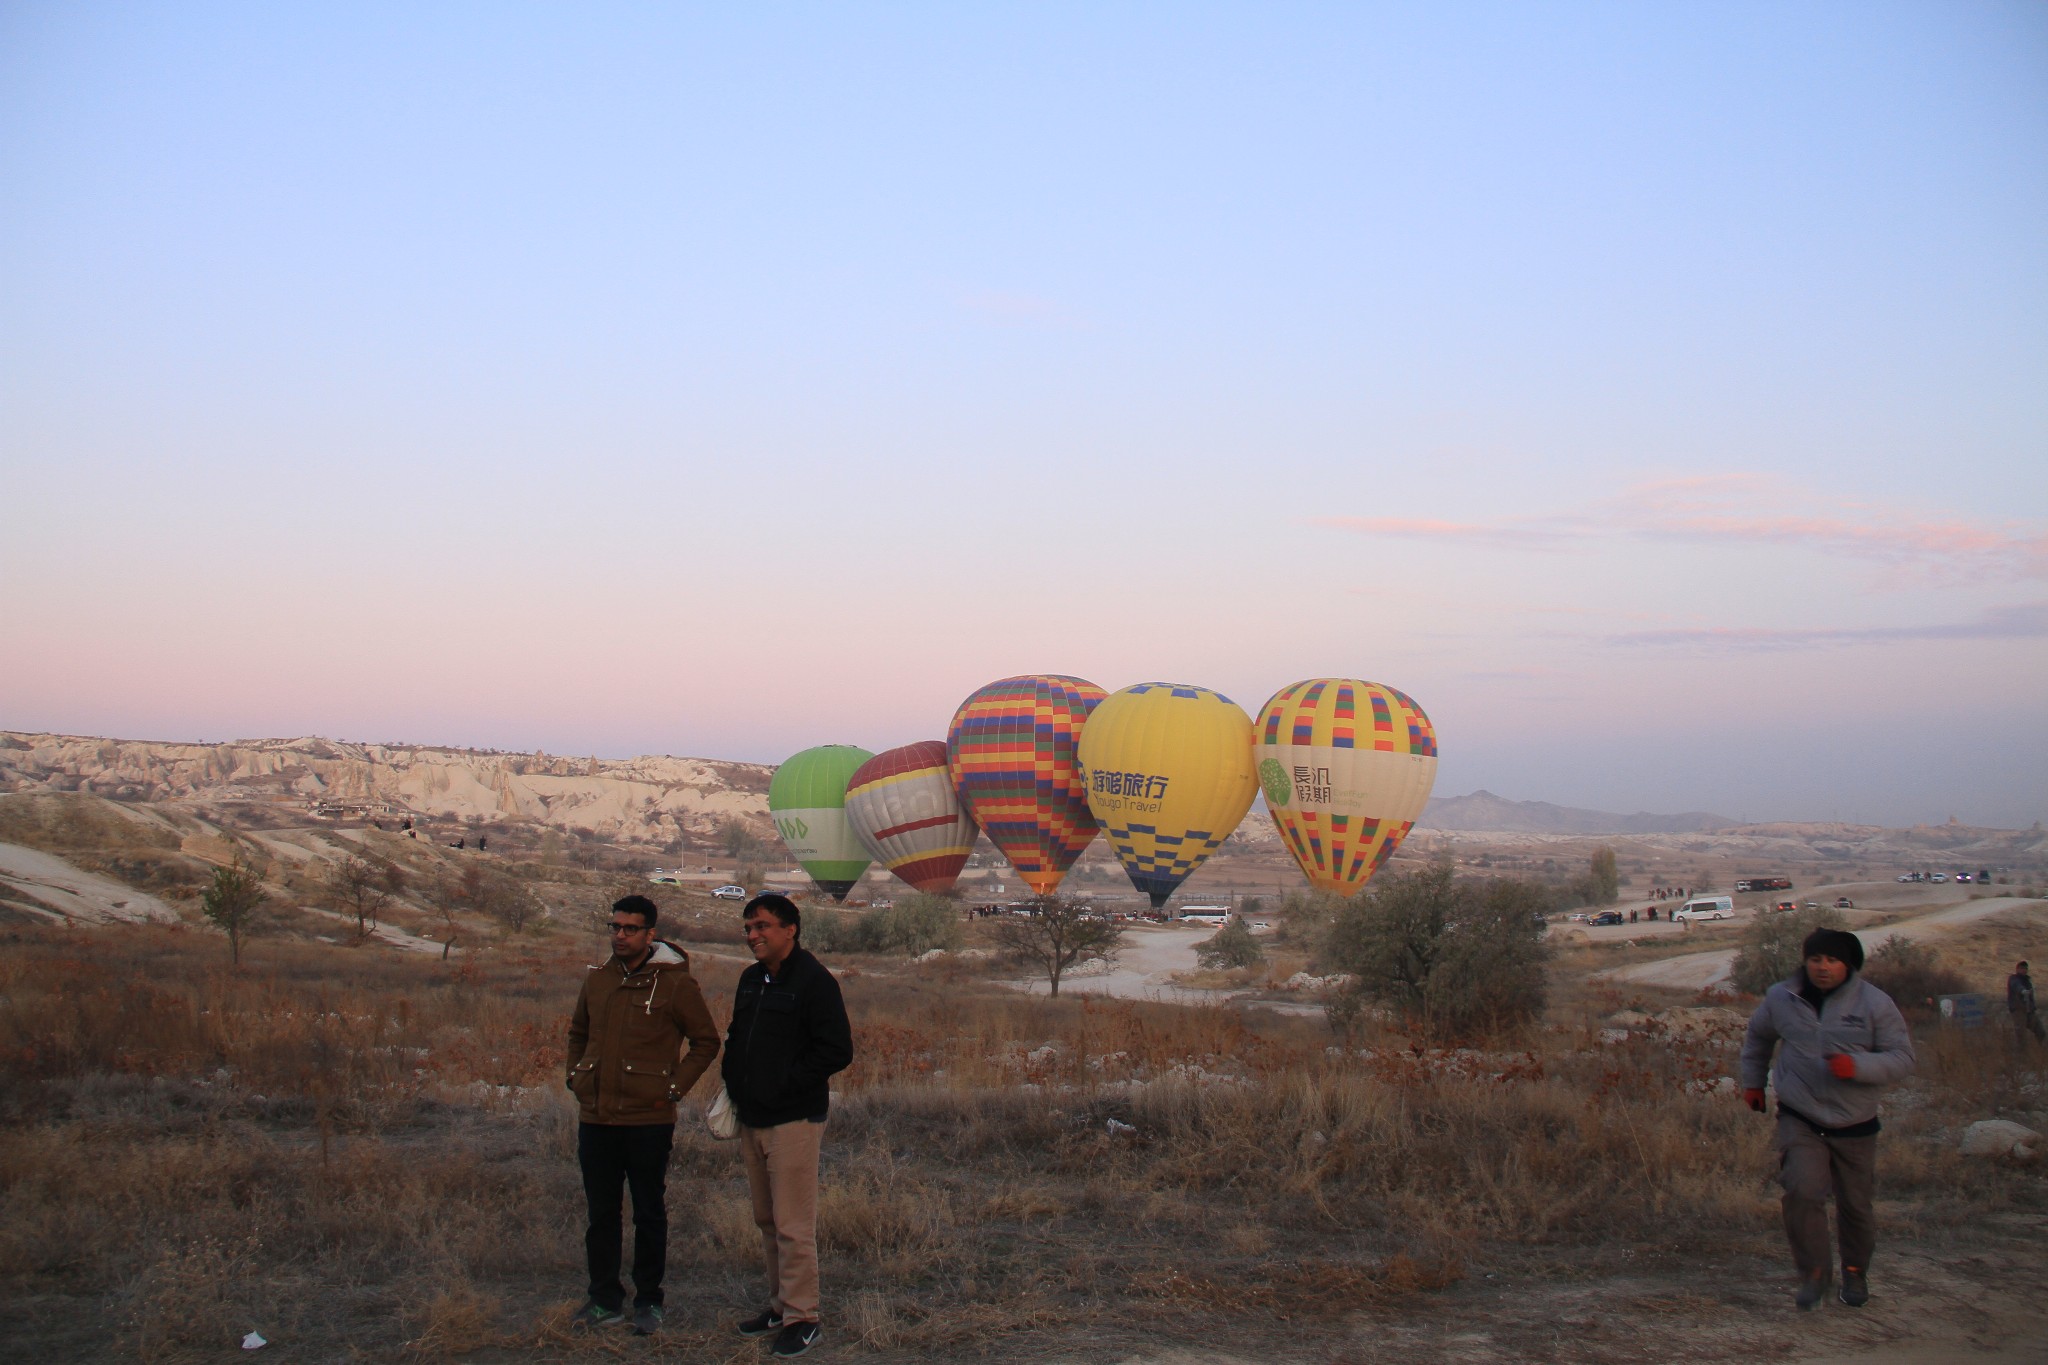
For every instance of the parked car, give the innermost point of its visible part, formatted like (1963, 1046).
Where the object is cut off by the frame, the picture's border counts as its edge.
(1908, 877)
(1578, 918)
(1606, 917)
(1704, 908)
(1844, 903)
(730, 893)
(1939, 877)
(663, 877)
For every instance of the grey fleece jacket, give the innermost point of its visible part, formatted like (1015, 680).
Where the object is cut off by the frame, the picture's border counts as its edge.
(1858, 1019)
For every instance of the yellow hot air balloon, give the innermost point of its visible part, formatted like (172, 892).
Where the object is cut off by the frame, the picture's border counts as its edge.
(1169, 773)
(1346, 767)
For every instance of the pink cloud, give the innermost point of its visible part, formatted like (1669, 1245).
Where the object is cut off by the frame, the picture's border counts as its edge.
(2025, 621)
(1752, 509)
(1509, 534)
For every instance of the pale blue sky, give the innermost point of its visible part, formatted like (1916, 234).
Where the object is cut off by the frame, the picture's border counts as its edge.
(1657, 393)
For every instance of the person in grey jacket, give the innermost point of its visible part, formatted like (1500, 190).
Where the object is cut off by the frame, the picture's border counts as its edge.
(1839, 1041)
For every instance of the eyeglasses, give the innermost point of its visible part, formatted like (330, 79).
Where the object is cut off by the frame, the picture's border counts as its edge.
(619, 928)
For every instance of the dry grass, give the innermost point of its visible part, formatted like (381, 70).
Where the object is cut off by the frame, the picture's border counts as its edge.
(350, 1149)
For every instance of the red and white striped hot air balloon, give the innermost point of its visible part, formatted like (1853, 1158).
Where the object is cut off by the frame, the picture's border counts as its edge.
(902, 805)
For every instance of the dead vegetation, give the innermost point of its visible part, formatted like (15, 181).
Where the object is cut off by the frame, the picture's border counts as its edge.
(349, 1149)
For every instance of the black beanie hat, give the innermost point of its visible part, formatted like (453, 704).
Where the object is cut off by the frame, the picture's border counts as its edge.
(1839, 944)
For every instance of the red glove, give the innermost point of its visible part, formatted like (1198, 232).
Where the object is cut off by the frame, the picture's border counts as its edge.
(1754, 1099)
(1843, 1065)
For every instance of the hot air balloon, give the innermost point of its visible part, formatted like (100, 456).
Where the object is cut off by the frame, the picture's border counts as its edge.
(902, 806)
(1169, 775)
(1011, 751)
(1346, 767)
(807, 798)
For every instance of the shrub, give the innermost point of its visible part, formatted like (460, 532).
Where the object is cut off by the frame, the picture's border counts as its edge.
(1770, 949)
(912, 926)
(1912, 975)
(1453, 958)
(1232, 946)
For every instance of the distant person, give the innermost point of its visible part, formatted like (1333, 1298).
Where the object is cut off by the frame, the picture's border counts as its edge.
(481, 843)
(789, 1035)
(1839, 1040)
(2019, 1003)
(627, 1070)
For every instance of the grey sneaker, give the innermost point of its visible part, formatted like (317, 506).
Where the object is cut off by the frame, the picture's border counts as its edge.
(646, 1319)
(1812, 1290)
(1855, 1287)
(796, 1338)
(593, 1315)
(762, 1324)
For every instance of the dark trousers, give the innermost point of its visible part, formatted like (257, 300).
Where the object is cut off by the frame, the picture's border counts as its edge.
(1810, 1168)
(613, 1157)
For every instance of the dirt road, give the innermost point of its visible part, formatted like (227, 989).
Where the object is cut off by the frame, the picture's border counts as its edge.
(1151, 956)
(1697, 971)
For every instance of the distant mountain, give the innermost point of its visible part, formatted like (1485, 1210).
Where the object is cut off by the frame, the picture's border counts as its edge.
(1483, 811)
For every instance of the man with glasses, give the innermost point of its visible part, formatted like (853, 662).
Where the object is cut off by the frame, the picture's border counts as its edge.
(789, 1035)
(627, 1070)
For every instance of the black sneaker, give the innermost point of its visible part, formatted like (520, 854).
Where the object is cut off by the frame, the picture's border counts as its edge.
(1855, 1287)
(761, 1326)
(793, 1340)
(646, 1319)
(1812, 1290)
(593, 1315)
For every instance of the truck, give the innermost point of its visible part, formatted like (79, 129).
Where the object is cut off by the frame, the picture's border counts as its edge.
(1764, 884)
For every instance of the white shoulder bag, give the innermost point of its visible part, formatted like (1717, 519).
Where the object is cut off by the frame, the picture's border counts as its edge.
(720, 1118)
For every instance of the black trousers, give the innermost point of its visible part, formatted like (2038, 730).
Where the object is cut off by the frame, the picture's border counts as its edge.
(613, 1157)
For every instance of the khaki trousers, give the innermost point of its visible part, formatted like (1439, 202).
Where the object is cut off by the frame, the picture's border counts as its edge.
(782, 1175)
(1809, 1168)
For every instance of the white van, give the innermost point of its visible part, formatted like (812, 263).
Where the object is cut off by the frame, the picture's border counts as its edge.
(1704, 908)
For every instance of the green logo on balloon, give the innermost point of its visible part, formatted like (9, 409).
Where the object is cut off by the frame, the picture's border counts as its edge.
(1273, 777)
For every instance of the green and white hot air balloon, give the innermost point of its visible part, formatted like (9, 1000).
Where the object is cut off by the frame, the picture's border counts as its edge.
(807, 800)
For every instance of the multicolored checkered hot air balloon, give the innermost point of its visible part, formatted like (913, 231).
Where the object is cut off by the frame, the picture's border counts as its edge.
(807, 800)
(1346, 767)
(902, 806)
(1011, 751)
(1169, 775)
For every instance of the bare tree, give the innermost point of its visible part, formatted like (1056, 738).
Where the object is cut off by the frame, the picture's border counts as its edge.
(740, 843)
(363, 888)
(450, 895)
(232, 902)
(1057, 936)
(505, 901)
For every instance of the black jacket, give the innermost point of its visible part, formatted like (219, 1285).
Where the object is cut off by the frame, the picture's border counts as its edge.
(787, 1037)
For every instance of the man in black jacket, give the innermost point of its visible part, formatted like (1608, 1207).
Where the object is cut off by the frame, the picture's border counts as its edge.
(789, 1035)
(2019, 1004)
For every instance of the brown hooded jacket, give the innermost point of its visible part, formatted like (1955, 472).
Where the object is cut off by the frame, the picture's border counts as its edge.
(626, 1060)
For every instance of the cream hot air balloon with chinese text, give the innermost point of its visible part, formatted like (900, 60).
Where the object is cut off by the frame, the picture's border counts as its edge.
(1346, 767)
